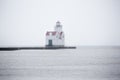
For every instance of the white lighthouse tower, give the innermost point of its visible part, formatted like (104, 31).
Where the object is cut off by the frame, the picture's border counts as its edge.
(55, 38)
(58, 27)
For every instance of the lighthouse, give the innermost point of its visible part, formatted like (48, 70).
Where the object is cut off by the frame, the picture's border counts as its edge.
(55, 38)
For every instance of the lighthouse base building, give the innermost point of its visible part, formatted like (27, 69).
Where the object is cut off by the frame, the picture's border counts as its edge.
(55, 38)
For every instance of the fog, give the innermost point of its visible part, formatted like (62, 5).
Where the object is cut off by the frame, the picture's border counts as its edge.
(85, 22)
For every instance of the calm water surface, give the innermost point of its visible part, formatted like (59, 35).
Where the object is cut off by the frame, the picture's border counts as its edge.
(83, 63)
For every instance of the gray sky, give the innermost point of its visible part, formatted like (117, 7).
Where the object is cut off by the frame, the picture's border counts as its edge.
(85, 22)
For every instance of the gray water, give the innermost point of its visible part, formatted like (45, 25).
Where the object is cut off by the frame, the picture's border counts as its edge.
(83, 63)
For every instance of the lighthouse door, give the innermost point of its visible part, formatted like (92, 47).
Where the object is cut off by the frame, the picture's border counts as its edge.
(50, 43)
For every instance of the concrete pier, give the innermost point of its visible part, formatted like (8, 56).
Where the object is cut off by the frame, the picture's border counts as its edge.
(36, 48)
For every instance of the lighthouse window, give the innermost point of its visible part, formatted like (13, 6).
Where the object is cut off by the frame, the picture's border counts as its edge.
(56, 36)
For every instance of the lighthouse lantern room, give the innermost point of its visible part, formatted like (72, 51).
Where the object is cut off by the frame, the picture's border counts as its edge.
(55, 38)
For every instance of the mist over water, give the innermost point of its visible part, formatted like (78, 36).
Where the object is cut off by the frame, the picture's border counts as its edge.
(83, 63)
(85, 22)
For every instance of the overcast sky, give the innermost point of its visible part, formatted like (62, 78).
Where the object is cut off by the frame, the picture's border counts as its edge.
(85, 22)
